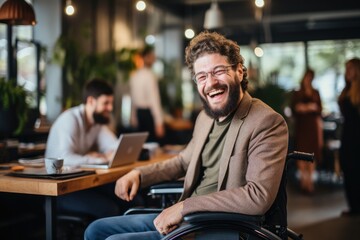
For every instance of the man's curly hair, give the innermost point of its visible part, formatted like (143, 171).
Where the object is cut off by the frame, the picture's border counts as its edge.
(212, 42)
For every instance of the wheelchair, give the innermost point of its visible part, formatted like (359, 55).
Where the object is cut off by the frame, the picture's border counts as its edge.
(221, 225)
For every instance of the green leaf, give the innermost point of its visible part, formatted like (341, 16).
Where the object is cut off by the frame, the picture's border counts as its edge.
(13, 96)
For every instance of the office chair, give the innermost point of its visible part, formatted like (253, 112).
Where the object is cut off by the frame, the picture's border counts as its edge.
(220, 225)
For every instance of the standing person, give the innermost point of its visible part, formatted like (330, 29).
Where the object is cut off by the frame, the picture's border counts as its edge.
(234, 161)
(80, 135)
(145, 97)
(349, 103)
(306, 107)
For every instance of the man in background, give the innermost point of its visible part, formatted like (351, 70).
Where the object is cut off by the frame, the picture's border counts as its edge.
(80, 135)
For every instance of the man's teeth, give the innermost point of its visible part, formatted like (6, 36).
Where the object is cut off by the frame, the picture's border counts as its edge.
(215, 92)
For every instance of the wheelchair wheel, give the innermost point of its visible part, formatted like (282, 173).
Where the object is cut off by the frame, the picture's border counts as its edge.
(293, 235)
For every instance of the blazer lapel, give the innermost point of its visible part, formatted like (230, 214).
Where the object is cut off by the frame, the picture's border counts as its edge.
(231, 137)
(194, 167)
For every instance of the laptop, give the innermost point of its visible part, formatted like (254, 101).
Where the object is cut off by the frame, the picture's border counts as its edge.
(127, 152)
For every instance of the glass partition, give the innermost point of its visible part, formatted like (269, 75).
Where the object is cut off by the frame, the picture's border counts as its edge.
(328, 58)
(284, 64)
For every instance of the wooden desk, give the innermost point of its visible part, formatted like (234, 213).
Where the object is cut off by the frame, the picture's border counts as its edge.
(53, 188)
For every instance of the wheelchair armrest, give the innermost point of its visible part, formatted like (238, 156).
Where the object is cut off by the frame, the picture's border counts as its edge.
(167, 188)
(229, 223)
(172, 184)
(131, 211)
(223, 216)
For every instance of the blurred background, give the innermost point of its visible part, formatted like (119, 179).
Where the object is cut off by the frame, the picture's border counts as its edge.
(74, 41)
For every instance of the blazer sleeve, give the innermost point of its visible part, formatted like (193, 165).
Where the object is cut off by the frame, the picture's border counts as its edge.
(168, 170)
(176, 167)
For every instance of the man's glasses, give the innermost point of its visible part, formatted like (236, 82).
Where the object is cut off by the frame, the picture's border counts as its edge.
(218, 71)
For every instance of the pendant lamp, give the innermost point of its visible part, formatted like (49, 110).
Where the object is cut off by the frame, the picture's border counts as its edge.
(213, 17)
(17, 12)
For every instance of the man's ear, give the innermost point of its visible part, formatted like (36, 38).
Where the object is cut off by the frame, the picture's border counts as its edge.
(240, 71)
(90, 100)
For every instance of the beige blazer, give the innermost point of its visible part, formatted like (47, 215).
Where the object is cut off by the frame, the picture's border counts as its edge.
(251, 165)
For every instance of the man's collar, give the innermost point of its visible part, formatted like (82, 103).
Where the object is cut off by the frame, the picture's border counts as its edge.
(244, 106)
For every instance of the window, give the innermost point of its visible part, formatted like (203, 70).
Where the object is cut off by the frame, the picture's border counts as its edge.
(284, 64)
(328, 58)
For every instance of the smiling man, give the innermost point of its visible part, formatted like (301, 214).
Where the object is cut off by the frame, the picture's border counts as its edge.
(234, 161)
(81, 135)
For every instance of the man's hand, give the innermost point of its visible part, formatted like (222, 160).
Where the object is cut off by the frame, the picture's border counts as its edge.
(127, 186)
(169, 219)
(96, 158)
(109, 155)
(160, 130)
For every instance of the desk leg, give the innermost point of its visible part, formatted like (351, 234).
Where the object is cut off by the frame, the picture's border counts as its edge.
(50, 217)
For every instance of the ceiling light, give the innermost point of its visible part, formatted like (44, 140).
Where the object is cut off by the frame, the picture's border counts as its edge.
(213, 17)
(150, 39)
(17, 12)
(189, 33)
(258, 51)
(259, 3)
(140, 6)
(69, 8)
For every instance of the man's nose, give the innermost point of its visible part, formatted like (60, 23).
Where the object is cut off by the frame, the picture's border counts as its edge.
(110, 107)
(211, 79)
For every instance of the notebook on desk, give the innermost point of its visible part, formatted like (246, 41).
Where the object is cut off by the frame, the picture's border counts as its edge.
(127, 152)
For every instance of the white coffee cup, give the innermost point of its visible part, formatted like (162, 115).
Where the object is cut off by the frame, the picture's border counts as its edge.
(54, 165)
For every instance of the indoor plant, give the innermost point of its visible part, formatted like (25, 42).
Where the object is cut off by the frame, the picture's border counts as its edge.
(13, 107)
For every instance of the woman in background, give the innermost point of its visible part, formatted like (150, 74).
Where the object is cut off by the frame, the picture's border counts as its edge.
(145, 96)
(349, 103)
(306, 108)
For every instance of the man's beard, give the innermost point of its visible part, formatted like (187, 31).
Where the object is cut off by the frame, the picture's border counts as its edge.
(230, 106)
(99, 118)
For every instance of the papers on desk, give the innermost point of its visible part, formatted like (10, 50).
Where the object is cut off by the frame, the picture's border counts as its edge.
(32, 162)
(152, 148)
(173, 149)
(67, 172)
(31, 146)
(35, 168)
